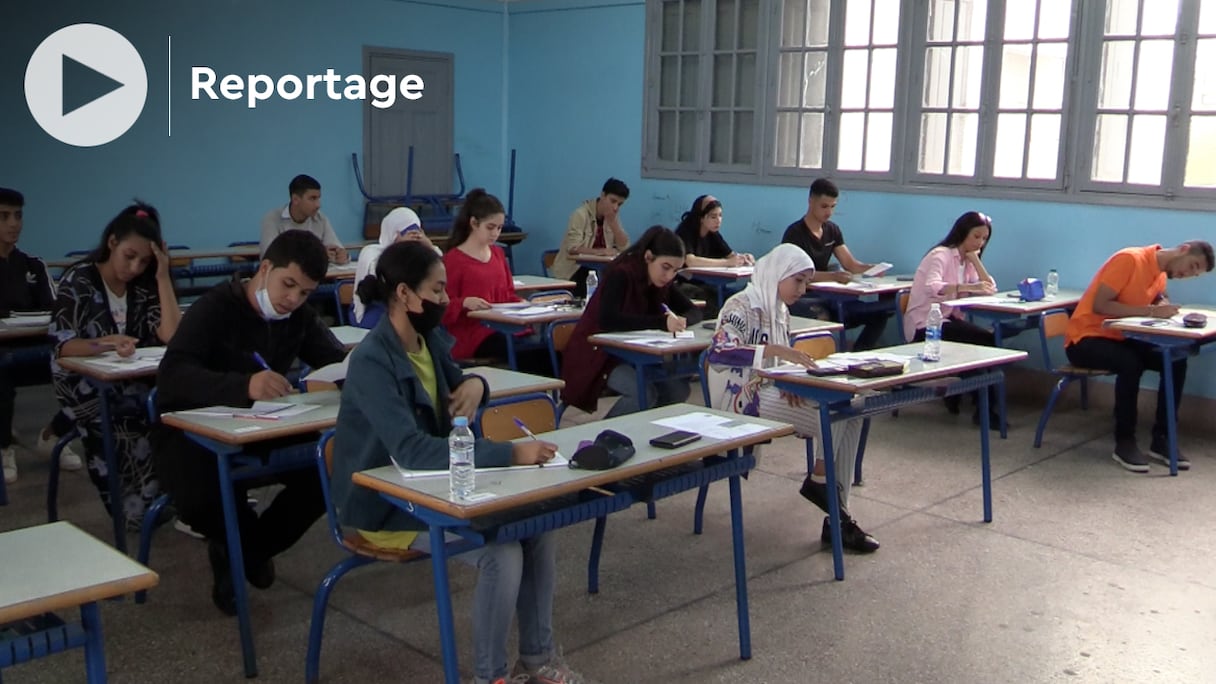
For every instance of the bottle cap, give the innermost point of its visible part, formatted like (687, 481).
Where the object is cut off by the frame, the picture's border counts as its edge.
(460, 421)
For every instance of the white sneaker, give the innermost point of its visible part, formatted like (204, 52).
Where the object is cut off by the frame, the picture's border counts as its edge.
(9, 458)
(68, 459)
(186, 529)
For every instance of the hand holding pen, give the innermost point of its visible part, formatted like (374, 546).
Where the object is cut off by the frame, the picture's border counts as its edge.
(267, 384)
(536, 452)
(675, 324)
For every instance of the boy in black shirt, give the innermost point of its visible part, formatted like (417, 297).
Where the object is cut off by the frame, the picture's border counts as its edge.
(821, 240)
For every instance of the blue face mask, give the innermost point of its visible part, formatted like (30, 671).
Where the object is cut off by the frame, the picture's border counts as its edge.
(267, 309)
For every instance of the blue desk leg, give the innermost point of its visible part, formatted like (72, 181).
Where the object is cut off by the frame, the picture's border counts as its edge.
(443, 606)
(117, 514)
(94, 645)
(985, 465)
(1171, 428)
(998, 333)
(829, 466)
(510, 351)
(236, 564)
(736, 530)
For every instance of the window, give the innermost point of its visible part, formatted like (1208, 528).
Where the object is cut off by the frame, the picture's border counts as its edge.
(1080, 99)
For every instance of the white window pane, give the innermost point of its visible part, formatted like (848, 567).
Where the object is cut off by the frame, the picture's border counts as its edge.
(1161, 19)
(789, 79)
(852, 133)
(937, 77)
(886, 22)
(1121, 17)
(1049, 76)
(879, 126)
(853, 81)
(1145, 157)
(1118, 61)
(719, 138)
(857, 22)
(1019, 18)
(1110, 141)
(785, 152)
(816, 80)
(1204, 97)
(793, 23)
(745, 80)
(667, 136)
(1055, 19)
(1010, 145)
(941, 20)
(744, 127)
(688, 136)
(688, 81)
(1015, 77)
(810, 154)
(964, 131)
(692, 26)
(1044, 146)
(749, 29)
(725, 24)
(968, 72)
(1200, 162)
(669, 80)
(932, 158)
(671, 26)
(724, 68)
(1207, 17)
(818, 13)
(1153, 74)
(972, 18)
(882, 79)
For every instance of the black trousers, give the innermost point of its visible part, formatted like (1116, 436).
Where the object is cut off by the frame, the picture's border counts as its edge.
(190, 473)
(23, 366)
(580, 282)
(695, 289)
(1128, 359)
(873, 324)
(956, 330)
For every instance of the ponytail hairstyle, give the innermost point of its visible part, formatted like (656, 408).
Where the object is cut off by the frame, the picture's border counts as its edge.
(478, 204)
(139, 219)
(690, 222)
(407, 263)
(660, 241)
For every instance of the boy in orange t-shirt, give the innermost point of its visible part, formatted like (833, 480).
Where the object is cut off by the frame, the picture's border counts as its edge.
(1132, 283)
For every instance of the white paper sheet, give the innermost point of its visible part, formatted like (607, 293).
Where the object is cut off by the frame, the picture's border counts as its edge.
(261, 410)
(22, 321)
(986, 299)
(710, 425)
(877, 270)
(334, 372)
(557, 462)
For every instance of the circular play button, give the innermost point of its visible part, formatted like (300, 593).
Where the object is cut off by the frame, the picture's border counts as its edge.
(85, 85)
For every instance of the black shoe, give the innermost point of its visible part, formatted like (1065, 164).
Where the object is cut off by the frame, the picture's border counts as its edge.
(222, 593)
(994, 420)
(261, 576)
(815, 492)
(852, 537)
(1128, 455)
(952, 403)
(1159, 451)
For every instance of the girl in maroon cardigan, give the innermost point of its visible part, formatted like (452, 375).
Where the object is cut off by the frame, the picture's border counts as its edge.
(632, 295)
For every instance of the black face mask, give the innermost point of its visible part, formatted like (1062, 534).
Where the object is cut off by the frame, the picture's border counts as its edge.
(429, 319)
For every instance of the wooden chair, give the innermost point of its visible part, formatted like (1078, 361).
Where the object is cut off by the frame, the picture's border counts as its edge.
(344, 300)
(816, 346)
(551, 297)
(901, 300)
(496, 420)
(1052, 324)
(547, 258)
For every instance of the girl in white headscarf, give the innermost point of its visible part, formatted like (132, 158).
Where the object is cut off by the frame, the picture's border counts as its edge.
(398, 225)
(754, 332)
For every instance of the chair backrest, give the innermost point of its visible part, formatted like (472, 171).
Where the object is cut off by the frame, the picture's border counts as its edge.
(703, 376)
(558, 334)
(547, 258)
(816, 346)
(325, 468)
(319, 386)
(496, 420)
(344, 297)
(901, 300)
(179, 262)
(150, 407)
(550, 297)
(1051, 324)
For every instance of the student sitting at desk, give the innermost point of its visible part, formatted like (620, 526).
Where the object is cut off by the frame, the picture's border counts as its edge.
(118, 297)
(235, 347)
(754, 332)
(635, 294)
(593, 228)
(303, 212)
(700, 229)
(407, 358)
(399, 225)
(1132, 283)
(953, 270)
(822, 239)
(25, 286)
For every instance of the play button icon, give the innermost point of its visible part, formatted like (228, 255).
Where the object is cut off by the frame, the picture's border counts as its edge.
(85, 85)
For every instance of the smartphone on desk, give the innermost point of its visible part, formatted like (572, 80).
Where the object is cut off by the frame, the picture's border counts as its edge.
(674, 440)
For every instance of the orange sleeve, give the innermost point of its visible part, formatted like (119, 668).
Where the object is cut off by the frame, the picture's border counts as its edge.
(1117, 273)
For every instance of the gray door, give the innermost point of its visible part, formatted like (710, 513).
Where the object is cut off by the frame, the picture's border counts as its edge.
(425, 123)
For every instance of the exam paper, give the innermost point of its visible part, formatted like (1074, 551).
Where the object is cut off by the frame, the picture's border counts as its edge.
(877, 270)
(558, 461)
(710, 425)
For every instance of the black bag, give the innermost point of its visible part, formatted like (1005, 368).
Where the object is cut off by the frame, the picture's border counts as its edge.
(609, 450)
(1194, 320)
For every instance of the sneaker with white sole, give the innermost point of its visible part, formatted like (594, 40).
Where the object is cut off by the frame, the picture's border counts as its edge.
(1159, 451)
(68, 458)
(556, 671)
(186, 529)
(1128, 455)
(9, 458)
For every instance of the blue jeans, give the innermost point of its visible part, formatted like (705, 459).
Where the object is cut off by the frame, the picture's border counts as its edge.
(623, 380)
(514, 579)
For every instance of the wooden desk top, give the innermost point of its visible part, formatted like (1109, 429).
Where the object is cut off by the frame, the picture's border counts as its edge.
(956, 358)
(1173, 326)
(508, 383)
(1009, 303)
(57, 566)
(642, 340)
(533, 283)
(242, 431)
(860, 287)
(515, 488)
(734, 272)
(109, 367)
(509, 316)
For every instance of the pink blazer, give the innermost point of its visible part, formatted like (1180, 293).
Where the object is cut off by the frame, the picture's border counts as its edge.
(942, 266)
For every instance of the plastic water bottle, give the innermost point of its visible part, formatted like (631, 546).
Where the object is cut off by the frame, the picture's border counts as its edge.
(593, 281)
(1053, 284)
(933, 334)
(461, 474)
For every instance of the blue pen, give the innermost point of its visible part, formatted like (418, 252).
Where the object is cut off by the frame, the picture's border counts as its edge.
(667, 310)
(261, 362)
(526, 431)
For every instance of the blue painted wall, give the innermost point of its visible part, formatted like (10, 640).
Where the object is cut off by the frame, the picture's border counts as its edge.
(226, 165)
(576, 87)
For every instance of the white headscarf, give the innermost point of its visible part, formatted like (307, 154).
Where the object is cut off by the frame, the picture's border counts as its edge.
(392, 225)
(784, 261)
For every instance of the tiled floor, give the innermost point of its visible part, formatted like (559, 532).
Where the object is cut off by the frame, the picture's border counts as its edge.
(1087, 574)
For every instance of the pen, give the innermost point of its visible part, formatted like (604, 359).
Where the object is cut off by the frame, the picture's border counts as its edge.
(261, 362)
(528, 432)
(667, 311)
